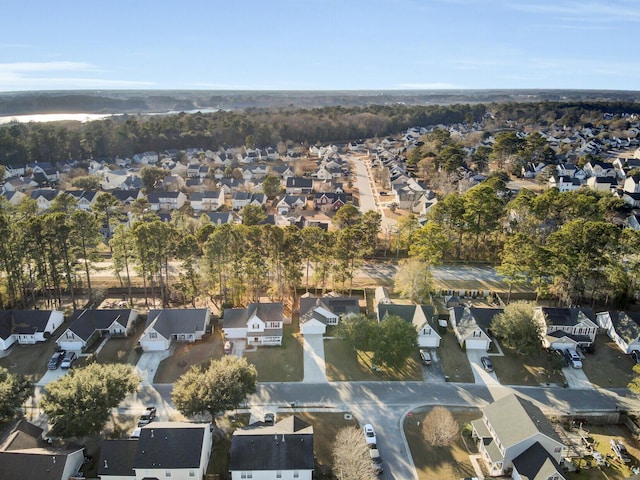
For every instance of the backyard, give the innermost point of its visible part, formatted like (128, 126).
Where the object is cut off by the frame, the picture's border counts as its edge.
(446, 463)
(344, 364)
(607, 366)
(280, 364)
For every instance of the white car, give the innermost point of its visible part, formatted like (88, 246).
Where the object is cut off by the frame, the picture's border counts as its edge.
(576, 361)
(369, 434)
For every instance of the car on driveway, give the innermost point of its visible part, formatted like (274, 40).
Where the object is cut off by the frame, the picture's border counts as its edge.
(425, 357)
(56, 359)
(574, 358)
(228, 347)
(147, 417)
(370, 434)
(67, 361)
(486, 364)
(636, 356)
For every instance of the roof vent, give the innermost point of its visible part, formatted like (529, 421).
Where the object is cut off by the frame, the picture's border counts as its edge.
(106, 465)
(152, 433)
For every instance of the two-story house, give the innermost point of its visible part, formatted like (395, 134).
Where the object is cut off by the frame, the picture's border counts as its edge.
(166, 200)
(623, 328)
(566, 328)
(258, 324)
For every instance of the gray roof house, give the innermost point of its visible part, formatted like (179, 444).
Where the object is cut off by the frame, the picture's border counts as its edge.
(179, 324)
(421, 316)
(164, 450)
(86, 326)
(261, 451)
(27, 326)
(514, 436)
(622, 327)
(316, 313)
(258, 324)
(471, 326)
(565, 328)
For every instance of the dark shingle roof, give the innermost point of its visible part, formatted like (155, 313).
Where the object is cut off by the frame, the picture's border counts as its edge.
(627, 325)
(535, 463)
(167, 445)
(84, 322)
(26, 322)
(168, 322)
(116, 458)
(566, 316)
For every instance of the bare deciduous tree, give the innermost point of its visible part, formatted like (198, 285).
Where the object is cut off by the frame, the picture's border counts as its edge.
(439, 427)
(351, 459)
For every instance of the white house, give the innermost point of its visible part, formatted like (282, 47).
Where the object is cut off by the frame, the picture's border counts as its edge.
(86, 326)
(281, 451)
(168, 325)
(166, 200)
(514, 436)
(258, 324)
(316, 313)
(622, 327)
(471, 326)
(420, 316)
(566, 328)
(176, 450)
(27, 327)
(208, 201)
(146, 158)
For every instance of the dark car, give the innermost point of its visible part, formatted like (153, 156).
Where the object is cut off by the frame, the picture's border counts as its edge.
(636, 356)
(486, 363)
(376, 460)
(56, 359)
(147, 417)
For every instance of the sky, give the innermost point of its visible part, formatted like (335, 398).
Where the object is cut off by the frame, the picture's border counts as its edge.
(319, 44)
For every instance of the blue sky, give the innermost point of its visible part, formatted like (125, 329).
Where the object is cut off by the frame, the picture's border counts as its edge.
(319, 44)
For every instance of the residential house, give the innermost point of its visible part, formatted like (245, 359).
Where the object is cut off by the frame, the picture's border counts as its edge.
(290, 202)
(258, 324)
(220, 218)
(299, 186)
(632, 184)
(514, 437)
(16, 185)
(85, 199)
(471, 326)
(126, 197)
(132, 182)
(176, 450)
(168, 325)
(250, 156)
(24, 454)
(207, 201)
(14, 197)
(12, 171)
(27, 326)
(166, 200)
(632, 199)
(422, 317)
(283, 450)
(357, 146)
(597, 168)
(269, 154)
(564, 183)
(193, 170)
(146, 158)
(44, 197)
(603, 184)
(381, 297)
(230, 185)
(566, 328)
(318, 312)
(44, 173)
(239, 200)
(622, 327)
(88, 326)
(173, 183)
(633, 221)
(329, 201)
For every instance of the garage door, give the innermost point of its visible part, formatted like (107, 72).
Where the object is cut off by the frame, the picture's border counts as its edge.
(477, 345)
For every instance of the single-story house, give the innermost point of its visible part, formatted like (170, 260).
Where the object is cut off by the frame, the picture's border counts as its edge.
(566, 328)
(258, 324)
(86, 326)
(514, 437)
(26, 455)
(179, 324)
(622, 327)
(283, 450)
(316, 313)
(471, 326)
(176, 450)
(27, 326)
(421, 316)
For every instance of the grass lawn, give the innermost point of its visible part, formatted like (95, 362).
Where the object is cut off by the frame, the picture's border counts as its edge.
(443, 463)
(280, 364)
(120, 350)
(30, 360)
(187, 354)
(345, 364)
(454, 360)
(616, 469)
(534, 370)
(608, 367)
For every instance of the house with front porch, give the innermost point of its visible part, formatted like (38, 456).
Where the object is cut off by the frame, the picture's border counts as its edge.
(27, 327)
(515, 438)
(291, 202)
(174, 324)
(208, 201)
(623, 328)
(259, 324)
(566, 328)
(87, 326)
(299, 185)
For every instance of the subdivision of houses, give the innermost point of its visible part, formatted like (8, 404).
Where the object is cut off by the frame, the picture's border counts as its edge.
(174, 324)
(258, 324)
(514, 437)
(27, 327)
(283, 450)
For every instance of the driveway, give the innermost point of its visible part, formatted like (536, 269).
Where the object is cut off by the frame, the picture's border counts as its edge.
(314, 367)
(433, 372)
(148, 365)
(480, 375)
(577, 379)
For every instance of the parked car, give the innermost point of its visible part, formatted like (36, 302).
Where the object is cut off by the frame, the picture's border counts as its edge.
(486, 363)
(56, 359)
(376, 459)
(68, 360)
(576, 361)
(425, 357)
(147, 417)
(270, 418)
(228, 347)
(636, 356)
(370, 434)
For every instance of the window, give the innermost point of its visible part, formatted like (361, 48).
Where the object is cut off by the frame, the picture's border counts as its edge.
(167, 473)
(153, 335)
(296, 474)
(278, 474)
(69, 335)
(192, 473)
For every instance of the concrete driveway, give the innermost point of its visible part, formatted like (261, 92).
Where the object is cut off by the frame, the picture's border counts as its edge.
(148, 364)
(433, 372)
(314, 366)
(480, 375)
(577, 379)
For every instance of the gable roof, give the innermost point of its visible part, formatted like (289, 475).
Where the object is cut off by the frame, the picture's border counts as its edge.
(566, 317)
(299, 182)
(183, 440)
(467, 319)
(267, 312)
(287, 445)
(535, 463)
(312, 307)
(25, 322)
(172, 321)
(626, 324)
(84, 322)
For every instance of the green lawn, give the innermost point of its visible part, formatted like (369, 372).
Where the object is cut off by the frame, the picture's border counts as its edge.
(280, 364)
(344, 364)
(454, 360)
(120, 350)
(533, 370)
(442, 463)
(608, 367)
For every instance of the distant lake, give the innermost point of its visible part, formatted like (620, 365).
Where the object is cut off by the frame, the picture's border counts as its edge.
(87, 117)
